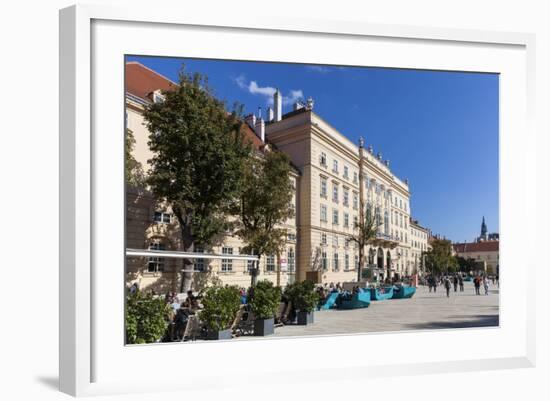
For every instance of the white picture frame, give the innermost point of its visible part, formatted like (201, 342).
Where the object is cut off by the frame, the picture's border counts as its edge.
(95, 361)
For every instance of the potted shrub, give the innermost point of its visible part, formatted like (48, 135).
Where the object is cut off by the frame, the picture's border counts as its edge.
(304, 299)
(221, 305)
(146, 318)
(264, 304)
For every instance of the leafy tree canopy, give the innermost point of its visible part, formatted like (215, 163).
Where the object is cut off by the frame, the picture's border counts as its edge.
(440, 259)
(265, 203)
(133, 169)
(198, 156)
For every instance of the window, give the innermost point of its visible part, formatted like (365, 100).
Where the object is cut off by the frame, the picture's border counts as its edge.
(291, 237)
(323, 187)
(386, 223)
(323, 239)
(346, 172)
(335, 166)
(156, 264)
(334, 216)
(227, 264)
(324, 261)
(291, 259)
(335, 265)
(346, 197)
(323, 213)
(355, 179)
(356, 257)
(335, 192)
(355, 201)
(346, 262)
(355, 221)
(335, 240)
(199, 263)
(158, 97)
(323, 159)
(346, 219)
(400, 204)
(162, 217)
(270, 263)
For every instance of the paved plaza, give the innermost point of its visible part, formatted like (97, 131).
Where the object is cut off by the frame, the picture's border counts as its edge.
(424, 310)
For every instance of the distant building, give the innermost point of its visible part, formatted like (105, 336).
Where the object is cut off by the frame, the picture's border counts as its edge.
(484, 250)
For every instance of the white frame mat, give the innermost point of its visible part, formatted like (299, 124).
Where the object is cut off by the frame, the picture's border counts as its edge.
(93, 41)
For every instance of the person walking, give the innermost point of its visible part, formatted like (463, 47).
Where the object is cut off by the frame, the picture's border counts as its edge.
(455, 282)
(447, 284)
(477, 284)
(486, 285)
(461, 283)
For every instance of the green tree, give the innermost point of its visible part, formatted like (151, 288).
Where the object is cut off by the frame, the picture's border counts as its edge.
(440, 259)
(146, 318)
(198, 153)
(265, 203)
(366, 232)
(466, 264)
(133, 169)
(265, 300)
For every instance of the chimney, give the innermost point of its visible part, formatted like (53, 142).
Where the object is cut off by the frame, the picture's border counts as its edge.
(259, 128)
(278, 104)
(310, 103)
(269, 113)
(251, 121)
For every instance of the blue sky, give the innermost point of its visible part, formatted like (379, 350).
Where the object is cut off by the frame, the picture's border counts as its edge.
(438, 129)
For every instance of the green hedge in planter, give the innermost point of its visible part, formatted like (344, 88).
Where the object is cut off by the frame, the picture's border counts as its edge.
(146, 318)
(221, 305)
(302, 295)
(265, 300)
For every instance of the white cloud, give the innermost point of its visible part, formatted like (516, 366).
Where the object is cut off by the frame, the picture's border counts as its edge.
(258, 90)
(253, 88)
(293, 97)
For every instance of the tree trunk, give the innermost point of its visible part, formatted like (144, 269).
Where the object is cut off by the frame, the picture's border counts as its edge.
(187, 243)
(361, 262)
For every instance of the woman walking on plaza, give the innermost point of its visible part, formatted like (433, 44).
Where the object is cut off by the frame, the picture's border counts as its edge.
(461, 283)
(447, 284)
(486, 285)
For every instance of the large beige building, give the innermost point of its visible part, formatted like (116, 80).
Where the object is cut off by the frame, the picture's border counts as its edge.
(328, 194)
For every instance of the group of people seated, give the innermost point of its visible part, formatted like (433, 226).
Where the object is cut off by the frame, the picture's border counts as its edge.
(180, 312)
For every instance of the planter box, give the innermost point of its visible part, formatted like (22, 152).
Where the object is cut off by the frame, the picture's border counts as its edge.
(219, 335)
(304, 318)
(264, 327)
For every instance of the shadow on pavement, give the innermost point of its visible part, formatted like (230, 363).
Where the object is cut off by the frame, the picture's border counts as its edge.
(474, 321)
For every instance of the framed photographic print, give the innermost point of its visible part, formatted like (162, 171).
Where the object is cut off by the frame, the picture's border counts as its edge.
(280, 190)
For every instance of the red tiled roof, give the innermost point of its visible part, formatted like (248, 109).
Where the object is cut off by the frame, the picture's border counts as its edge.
(484, 246)
(142, 81)
(251, 137)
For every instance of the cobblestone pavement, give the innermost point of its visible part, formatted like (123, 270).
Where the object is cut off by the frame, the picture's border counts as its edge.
(424, 310)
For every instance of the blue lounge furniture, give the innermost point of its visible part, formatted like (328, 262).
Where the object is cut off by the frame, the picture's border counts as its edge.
(330, 301)
(358, 300)
(403, 291)
(377, 295)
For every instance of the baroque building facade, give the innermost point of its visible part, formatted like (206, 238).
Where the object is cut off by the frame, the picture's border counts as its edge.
(332, 178)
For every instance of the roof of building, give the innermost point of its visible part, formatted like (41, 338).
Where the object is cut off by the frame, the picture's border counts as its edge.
(141, 81)
(483, 246)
